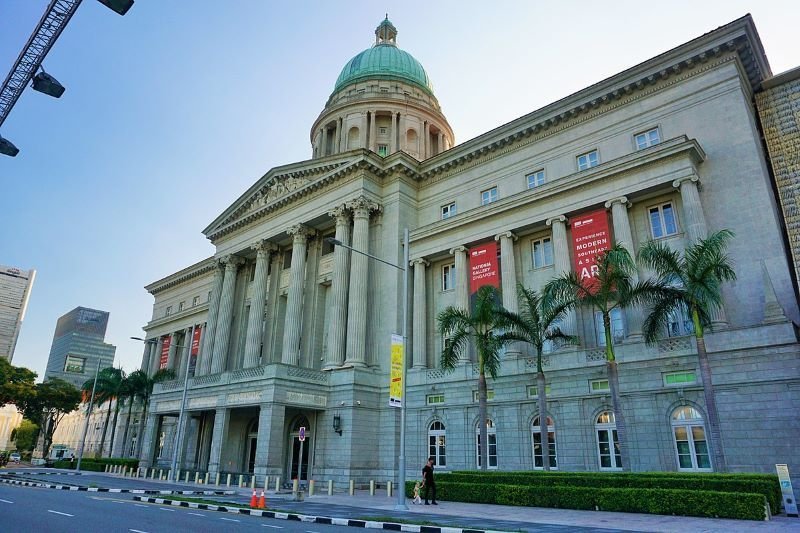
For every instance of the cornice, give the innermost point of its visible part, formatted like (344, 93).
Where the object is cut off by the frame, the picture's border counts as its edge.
(188, 273)
(181, 316)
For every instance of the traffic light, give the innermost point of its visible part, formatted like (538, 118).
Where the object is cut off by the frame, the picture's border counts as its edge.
(47, 84)
(8, 148)
(118, 6)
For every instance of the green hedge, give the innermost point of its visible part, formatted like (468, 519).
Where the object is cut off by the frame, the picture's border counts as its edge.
(764, 484)
(743, 506)
(97, 465)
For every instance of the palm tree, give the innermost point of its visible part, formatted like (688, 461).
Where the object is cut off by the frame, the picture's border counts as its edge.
(536, 324)
(611, 288)
(696, 277)
(143, 389)
(133, 384)
(484, 326)
(109, 388)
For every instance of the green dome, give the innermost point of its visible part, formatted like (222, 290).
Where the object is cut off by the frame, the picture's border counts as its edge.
(384, 61)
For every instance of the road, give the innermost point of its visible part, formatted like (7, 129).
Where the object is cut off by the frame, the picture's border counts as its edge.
(28, 509)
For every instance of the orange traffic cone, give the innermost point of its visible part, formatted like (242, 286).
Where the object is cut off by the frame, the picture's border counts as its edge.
(253, 499)
(262, 501)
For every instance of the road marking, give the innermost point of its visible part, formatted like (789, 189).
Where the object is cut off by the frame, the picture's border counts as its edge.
(197, 514)
(140, 505)
(273, 527)
(230, 519)
(165, 509)
(137, 531)
(59, 512)
(5, 501)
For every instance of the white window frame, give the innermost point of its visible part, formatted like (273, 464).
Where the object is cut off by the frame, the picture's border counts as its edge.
(588, 159)
(679, 324)
(543, 241)
(662, 224)
(551, 440)
(383, 130)
(489, 196)
(680, 374)
(599, 386)
(383, 150)
(434, 399)
(609, 427)
(448, 277)
(689, 425)
(195, 301)
(489, 395)
(449, 210)
(536, 178)
(437, 443)
(533, 390)
(491, 437)
(181, 306)
(645, 139)
(168, 310)
(617, 327)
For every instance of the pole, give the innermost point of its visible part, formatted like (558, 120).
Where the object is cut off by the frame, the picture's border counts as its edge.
(86, 423)
(401, 460)
(178, 431)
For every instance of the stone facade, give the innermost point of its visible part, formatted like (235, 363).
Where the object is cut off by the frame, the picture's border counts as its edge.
(671, 148)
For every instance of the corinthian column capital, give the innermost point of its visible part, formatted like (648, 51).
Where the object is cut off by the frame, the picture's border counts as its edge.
(232, 262)
(263, 246)
(363, 206)
(341, 213)
(300, 232)
(623, 200)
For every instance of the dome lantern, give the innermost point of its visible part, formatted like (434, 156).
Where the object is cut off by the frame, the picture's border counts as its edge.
(386, 33)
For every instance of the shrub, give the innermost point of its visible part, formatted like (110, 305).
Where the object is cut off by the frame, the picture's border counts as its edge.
(97, 465)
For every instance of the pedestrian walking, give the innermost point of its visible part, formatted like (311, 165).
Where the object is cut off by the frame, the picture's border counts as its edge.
(428, 482)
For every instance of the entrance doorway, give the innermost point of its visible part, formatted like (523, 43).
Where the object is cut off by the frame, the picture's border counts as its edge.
(294, 459)
(252, 445)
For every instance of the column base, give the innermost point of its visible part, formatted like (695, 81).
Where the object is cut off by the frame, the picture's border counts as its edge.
(354, 364)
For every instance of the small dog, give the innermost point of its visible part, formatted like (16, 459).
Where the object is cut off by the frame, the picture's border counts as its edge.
(417, 488)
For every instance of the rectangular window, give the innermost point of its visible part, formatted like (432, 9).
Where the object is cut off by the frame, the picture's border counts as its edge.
(327, 246)
(287, 259)
(181, 306)
(542, 252)
(383, 130)
(688, 377)
(662, 221)
(679, 324)
(617, 327)
(209, 296)
(588, 160)
(448, 210)
(536, 179)
(434, 399)
(598, 385)
(74, 365)
(448, 277)
(383, 150)
(533, 391)
(195, 301)
(488, 196)
(489, 395)
(492, 452)
(168, 311)
(647, 138)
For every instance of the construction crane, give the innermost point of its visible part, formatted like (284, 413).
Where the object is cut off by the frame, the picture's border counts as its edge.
(52, 23)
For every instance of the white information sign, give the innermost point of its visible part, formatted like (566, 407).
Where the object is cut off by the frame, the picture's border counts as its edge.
(789, 503)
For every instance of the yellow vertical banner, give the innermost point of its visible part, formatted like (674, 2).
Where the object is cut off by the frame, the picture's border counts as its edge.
(396, 376)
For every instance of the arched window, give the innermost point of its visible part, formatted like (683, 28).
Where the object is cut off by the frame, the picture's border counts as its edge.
(537, 443)
(690, 440)
(353, 136)
(436, 443)
(491, 437)
(607, 442)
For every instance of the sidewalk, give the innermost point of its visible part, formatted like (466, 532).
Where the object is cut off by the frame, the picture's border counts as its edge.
(450, 514)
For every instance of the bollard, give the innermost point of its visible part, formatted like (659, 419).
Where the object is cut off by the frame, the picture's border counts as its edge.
(253, 482)
(152, 473)
(161, 476)
(138, 472)
(330, 487)
(295, 486)
(229, 481)
(186, 477)
(241, 481)
(277, 483)
(310, 487)
(196, 478)
(216, 480)
(124, 471)
(266, 482)
(388, 489)
(372, 487)
(352, 487)
(177, 475)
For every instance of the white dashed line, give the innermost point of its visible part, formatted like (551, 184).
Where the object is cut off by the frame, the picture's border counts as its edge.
(137, 531)
(230, 519)
(5, 501)
(59, 512)
(273, 527)
(165, 509)
(140, 505)
(196, 514)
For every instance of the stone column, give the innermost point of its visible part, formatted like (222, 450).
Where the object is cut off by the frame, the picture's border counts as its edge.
(508, 280)
(294, 300)
(359, 270)
(363, 133)
(324, 143)
(624, 236)
(440, 146)
(222, 336)
(393, 143)
(185, 352)
(183, 429)
(339, 135)
(561, 263)
(148, 440)
(337, 325)
(403, 129)
(172, 364)
(373, 145)
(255, 323)
(270, 443)
(222, 419)
(274, 280)
(426, 141)
(145, 367)
(155, 357)
(420, 339)
(462, 287)
(206, 350)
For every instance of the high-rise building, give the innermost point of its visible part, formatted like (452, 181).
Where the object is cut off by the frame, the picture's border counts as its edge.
(78, 343)
(15, 289)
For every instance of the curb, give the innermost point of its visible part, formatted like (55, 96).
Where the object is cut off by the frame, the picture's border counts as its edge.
(368, 524)
(27, 473)
(128, 491)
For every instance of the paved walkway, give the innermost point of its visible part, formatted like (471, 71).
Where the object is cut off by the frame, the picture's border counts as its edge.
(362, 505)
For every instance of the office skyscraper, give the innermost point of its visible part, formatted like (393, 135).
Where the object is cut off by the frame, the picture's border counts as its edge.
(78, 343)
(15, 289)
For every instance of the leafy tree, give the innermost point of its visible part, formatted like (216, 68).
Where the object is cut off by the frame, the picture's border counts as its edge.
(612, 287)
(24, 435)
(536, 324)
(47, 406)
(695, 278)
(16, 383)
(484, 326)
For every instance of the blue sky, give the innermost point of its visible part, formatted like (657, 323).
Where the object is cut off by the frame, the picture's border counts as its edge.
(173, 110)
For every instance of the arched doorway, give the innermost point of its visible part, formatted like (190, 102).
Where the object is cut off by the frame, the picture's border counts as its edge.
(294, 457)
(251, 444)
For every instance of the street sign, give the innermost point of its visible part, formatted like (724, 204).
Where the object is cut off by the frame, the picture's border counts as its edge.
(302, 433)
(789, 501)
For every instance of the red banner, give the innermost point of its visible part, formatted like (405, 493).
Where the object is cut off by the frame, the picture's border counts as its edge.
(590, 237)
(483, 268)
(166, 340)
(196, 341)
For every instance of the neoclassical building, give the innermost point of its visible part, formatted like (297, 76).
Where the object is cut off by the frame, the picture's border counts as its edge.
(283, 330)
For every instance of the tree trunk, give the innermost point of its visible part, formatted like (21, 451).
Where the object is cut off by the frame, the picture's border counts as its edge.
(622, 429)
(127, 426)
(105, 428)
(541, 386)
(715, 433)
(140, 434)
(482, 420)
(114, 428)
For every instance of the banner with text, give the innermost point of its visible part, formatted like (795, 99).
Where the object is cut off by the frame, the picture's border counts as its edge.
(165, 352)
(483, 269)
(396, 376)
(195, 348)
(590, 236)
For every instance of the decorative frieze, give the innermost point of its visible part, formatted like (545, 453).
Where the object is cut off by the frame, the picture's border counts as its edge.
(239, 398)
(305, 399)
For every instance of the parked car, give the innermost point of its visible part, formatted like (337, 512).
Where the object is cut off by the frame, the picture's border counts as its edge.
(14, 457)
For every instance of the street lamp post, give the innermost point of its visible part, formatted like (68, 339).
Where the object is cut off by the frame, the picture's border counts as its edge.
(86, 423)
(401, 459)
